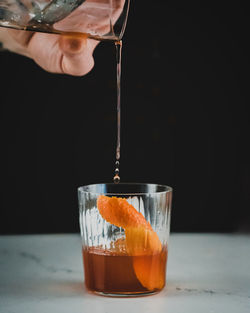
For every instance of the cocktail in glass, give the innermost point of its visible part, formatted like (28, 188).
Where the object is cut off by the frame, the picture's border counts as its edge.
(125, 236)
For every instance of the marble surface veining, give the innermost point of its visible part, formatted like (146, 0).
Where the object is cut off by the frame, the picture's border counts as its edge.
(206, 273)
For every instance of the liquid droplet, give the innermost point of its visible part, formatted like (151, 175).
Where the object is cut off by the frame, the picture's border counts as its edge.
(116, 179)
(117, 163)
(116, 171)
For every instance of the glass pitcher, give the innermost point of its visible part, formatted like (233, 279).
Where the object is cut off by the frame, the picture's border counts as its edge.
(98, 19)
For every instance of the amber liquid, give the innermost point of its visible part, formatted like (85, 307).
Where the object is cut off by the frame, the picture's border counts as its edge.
(118, 46)
(109, 272)
(49, 29)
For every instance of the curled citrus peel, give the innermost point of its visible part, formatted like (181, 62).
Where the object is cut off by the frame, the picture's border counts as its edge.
(141, 240)
(119, 212)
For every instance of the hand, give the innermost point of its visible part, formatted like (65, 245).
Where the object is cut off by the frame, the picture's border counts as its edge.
(54, 53)
(61, 53)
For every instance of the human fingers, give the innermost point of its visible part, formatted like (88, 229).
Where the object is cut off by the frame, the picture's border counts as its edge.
(77, 54)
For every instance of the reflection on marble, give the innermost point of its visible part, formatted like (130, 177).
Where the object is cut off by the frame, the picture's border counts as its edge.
(206, 273)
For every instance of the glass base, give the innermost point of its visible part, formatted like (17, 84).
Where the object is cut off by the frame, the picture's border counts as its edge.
(125, 294)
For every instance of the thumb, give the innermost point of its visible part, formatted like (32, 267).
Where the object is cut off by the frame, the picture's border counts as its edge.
(77, 54)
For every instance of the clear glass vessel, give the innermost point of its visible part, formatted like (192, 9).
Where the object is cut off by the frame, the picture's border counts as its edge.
(129, 260)
(98, 19)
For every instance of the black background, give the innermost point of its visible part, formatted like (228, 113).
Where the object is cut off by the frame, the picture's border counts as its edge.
(185, 122)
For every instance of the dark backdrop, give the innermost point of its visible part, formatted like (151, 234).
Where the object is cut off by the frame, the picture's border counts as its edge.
(185, 122)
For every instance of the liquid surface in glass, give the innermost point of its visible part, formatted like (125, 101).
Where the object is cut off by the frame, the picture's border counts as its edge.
(110, 271)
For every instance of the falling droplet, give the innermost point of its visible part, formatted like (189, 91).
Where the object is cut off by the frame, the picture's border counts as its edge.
(116, 179)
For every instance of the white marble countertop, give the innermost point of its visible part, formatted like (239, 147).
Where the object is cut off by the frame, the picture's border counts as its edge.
(44, 273)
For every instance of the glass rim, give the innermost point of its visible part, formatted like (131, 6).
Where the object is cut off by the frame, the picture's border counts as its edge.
(165, 189)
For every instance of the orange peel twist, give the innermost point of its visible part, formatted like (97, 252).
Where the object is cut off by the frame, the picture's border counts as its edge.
(141, 239)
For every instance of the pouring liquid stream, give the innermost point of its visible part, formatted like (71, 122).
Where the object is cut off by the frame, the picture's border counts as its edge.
(46, 28)
(118, 45)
